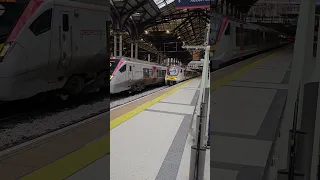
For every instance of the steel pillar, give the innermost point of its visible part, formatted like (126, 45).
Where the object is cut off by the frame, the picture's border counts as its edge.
(301, 59)
(120, 45)
(232, 11)
(223, 5)
(132, 50)
(227, 8)
(115, 44)
(136, 51)
(198, 151)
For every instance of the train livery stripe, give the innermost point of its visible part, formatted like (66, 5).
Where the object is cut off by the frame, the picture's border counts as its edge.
(224, 23)
(216, 84)
(28, 12)
(125, 117)
(71, 163)
(118, 66)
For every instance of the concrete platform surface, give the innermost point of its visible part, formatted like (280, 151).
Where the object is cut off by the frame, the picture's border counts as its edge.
(245, 113)
(150, 145)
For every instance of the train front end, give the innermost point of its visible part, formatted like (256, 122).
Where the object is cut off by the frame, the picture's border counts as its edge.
(117, 75)
(173, 75)
(13, 55)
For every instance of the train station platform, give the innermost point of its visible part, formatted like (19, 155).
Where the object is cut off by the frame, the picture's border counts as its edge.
(149, 137)
(245, 113)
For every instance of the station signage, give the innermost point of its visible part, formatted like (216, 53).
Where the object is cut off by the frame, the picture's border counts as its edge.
(196, 55)
(193, 4)
(8, 1)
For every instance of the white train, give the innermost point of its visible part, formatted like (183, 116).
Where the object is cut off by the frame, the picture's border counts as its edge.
(196, 65)
(232, 39)
(176, 74)
(53, 45)
(127, 74)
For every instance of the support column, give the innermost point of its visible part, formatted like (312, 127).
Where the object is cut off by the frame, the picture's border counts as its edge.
(218, 7)
(114, 44)
(136, 51)
(228, 8)
(232, 10)
(132, 50)
(302, 60)
(120, 45)
(225, 7)
(222, 7)
(149, 58)
(238, 14)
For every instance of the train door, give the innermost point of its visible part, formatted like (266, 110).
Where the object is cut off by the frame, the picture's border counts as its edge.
(130, 74)
(65, 39)
(241, 37)
(122, 77)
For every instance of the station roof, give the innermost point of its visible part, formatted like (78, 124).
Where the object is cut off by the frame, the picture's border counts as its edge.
(155, 22)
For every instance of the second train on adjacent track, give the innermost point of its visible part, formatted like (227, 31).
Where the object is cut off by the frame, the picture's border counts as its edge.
(128, 74)
(176, 74)
(232, 38)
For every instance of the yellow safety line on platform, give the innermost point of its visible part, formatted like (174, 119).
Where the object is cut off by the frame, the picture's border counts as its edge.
(226, 79)
(71, 163)
(121, 119)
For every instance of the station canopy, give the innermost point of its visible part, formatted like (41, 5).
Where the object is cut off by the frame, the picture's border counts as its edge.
(161, 29)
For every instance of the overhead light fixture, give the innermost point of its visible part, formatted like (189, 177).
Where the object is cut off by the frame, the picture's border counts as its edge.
(178, 37)
(136, 14)
(141, 39)
(168, 31)
(146, 32)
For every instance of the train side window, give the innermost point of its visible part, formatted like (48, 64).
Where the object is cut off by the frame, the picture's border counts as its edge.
(238, 36)
(130, 68)
(65, 22)
(123, 68)
(163, 72)
(227, 32)
(42, 24)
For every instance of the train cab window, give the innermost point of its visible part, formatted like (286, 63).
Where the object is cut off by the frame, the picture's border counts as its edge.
(227, 32)
(181, 71)
(123, 68)
(65, 22)
(42, 24)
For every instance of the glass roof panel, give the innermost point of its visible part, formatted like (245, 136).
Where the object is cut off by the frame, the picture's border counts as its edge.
(162, 3)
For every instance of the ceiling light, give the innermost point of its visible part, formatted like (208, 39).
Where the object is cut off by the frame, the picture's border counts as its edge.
(146, 32)
(168, 31)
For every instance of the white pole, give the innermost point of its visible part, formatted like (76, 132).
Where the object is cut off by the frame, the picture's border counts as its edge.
(131, 50)
(304, 40)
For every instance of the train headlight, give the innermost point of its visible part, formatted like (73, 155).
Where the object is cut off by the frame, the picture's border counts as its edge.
(111, 77)
(3, 50)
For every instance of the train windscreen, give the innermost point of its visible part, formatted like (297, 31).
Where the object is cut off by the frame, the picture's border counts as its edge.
(173, 71)
(10, 12)
(113, 65)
